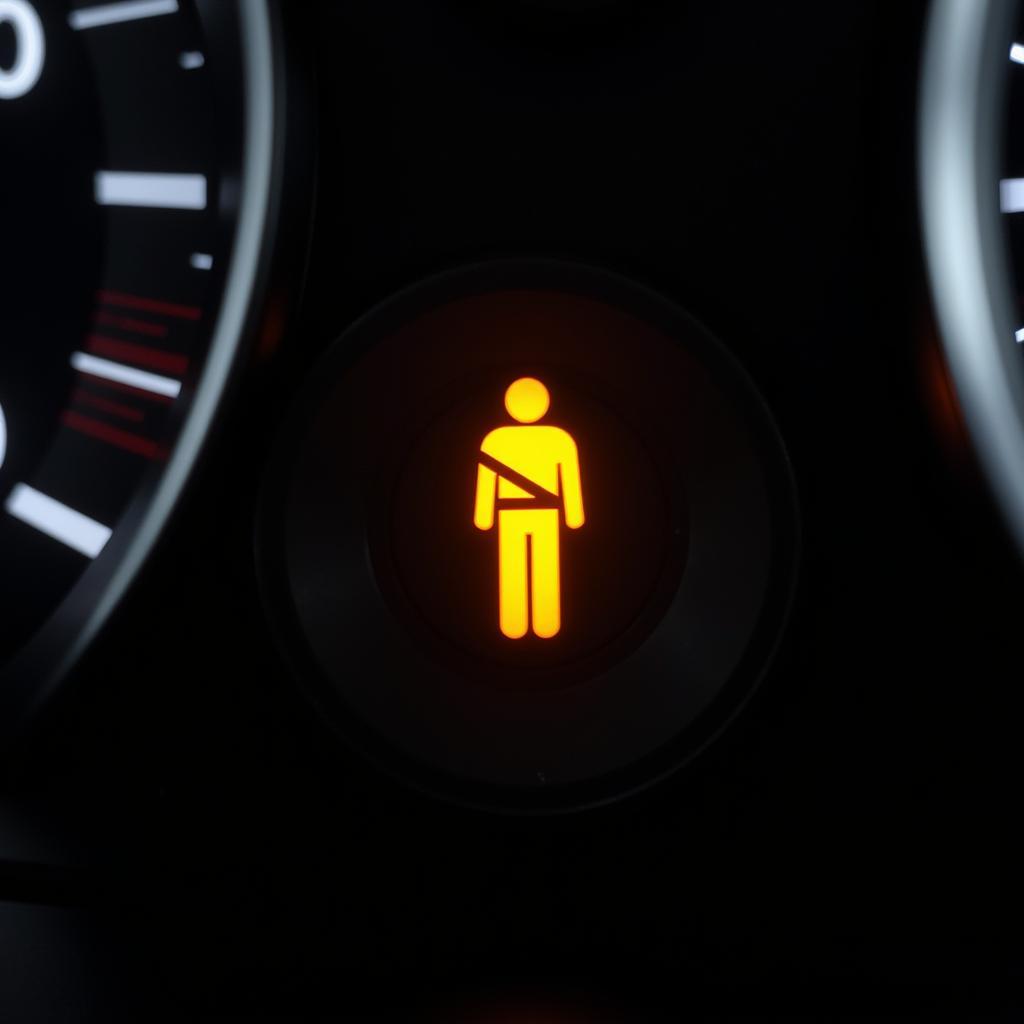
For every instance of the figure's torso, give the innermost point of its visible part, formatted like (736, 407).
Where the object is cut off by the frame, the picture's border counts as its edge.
(532, 451)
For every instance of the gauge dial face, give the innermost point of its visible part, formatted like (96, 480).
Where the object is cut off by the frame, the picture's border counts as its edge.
(137, 172)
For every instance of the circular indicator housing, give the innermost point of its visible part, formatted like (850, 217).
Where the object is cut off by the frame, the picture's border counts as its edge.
(530, 534)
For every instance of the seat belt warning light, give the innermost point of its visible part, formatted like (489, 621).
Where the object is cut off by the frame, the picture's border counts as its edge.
(528, 480)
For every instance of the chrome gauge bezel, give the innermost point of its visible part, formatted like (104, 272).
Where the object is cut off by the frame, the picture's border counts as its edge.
(962, 104)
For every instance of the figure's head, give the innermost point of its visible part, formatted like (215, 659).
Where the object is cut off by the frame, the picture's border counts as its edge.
(527, 400)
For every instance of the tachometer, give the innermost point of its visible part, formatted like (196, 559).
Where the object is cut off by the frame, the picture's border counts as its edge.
(138, 175)
(972, 187)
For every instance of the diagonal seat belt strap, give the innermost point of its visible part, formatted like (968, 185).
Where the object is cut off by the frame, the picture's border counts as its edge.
(524, 483)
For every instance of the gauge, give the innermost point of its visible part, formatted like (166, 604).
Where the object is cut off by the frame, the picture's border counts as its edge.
(138, 175)
(972, 188)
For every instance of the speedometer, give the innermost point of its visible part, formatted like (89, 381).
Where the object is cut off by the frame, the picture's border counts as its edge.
(138, 142)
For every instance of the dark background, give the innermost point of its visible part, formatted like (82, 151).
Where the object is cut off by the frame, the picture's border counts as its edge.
(182, 836)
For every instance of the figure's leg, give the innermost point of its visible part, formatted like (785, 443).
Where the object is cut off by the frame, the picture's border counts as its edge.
(513, 598)
(547, 601)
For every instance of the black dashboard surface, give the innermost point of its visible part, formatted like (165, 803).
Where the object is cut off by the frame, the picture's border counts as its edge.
(182, 836)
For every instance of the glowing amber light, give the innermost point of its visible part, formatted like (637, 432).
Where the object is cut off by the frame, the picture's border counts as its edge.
(529, 476)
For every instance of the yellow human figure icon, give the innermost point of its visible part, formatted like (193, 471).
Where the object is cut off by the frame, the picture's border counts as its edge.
(528, 475)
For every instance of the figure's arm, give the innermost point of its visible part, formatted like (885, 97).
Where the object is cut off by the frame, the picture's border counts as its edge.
(572, 488)
(486, 484)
